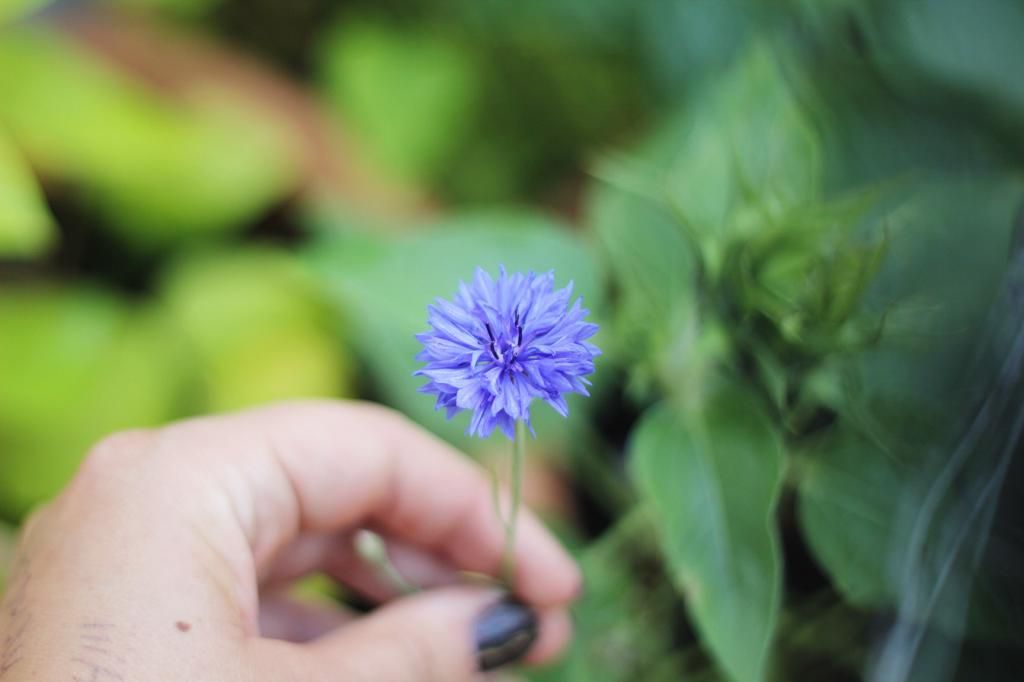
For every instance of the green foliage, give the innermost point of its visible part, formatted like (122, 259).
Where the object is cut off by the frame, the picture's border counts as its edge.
(13, 9)
(26, 228)
(748, 152)
(77, 365)
(939, 284)
(654, 269)
(739, 157)
(973, 50)
(179, 8)
(376, 76)
(807, 272)
(260, 331)
(722, 207)
(159, 172)
(738, 283)
(854, 484)
(713, 478)
(621, 621)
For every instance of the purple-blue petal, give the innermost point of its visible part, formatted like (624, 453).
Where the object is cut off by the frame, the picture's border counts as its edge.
(503, 342)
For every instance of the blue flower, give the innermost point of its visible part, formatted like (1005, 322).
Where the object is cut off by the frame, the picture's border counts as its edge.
(500, 344)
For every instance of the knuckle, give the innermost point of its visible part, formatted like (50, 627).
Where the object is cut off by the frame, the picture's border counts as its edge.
(385, 416)
(111, 451)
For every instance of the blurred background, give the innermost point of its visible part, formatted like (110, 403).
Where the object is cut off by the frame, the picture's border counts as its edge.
(798, 223)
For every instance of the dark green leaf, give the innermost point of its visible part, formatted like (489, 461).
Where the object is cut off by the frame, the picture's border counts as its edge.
(850, 489)
(898, 458)
(624, 625)
(973, 49)
(712, 477)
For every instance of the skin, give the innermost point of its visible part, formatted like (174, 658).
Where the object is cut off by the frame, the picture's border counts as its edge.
(165, 557)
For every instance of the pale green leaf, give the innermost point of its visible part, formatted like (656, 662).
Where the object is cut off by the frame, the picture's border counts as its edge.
(77, 364)
(258, 326)
(158, 170)
(26, 228)
(376, 77)
(14, 9)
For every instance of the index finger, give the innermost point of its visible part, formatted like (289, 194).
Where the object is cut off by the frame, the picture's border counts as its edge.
(325, 466)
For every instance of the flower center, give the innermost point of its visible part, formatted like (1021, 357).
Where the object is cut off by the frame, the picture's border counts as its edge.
(505, 348)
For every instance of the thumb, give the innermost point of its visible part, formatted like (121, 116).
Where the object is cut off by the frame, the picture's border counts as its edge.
(443, 635)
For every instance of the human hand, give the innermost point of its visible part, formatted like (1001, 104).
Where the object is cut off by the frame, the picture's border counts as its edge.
(163, 557)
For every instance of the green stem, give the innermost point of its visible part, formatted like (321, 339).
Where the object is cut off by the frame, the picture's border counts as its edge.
(516, 486)
(373, 550)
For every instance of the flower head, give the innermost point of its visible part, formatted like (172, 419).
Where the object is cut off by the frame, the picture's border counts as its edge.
(501, 343)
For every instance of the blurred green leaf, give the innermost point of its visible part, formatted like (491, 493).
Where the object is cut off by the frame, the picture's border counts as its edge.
(948, 250)
(159, 172)
(77, 364)
(712, 476)
(12, 9)
(409, 95)
(192, 9)
(740, 154)
(850, 489)
(736, 164)
(26, 228)
(656, 275)
(806, 275)
(259, 328)
(821, 637)
(667, 44)
(624, 626)
(383, 286)
(972, 48)
(906, 398)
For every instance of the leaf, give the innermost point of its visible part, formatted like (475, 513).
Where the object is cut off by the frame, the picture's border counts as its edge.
(946, 290)
(26, 228)
(654, 268)
(948, 251)
(743, 152)
(973, 49)
(743, 145)
(623, 625)
(376, 76)
(848, 497)
(382, 287)
(87, 361)
(158, 171)
(15, 9)
(259, 328)
(740, 156)
(712, 476)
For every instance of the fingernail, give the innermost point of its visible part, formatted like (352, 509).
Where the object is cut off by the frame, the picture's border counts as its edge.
(503, 633)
